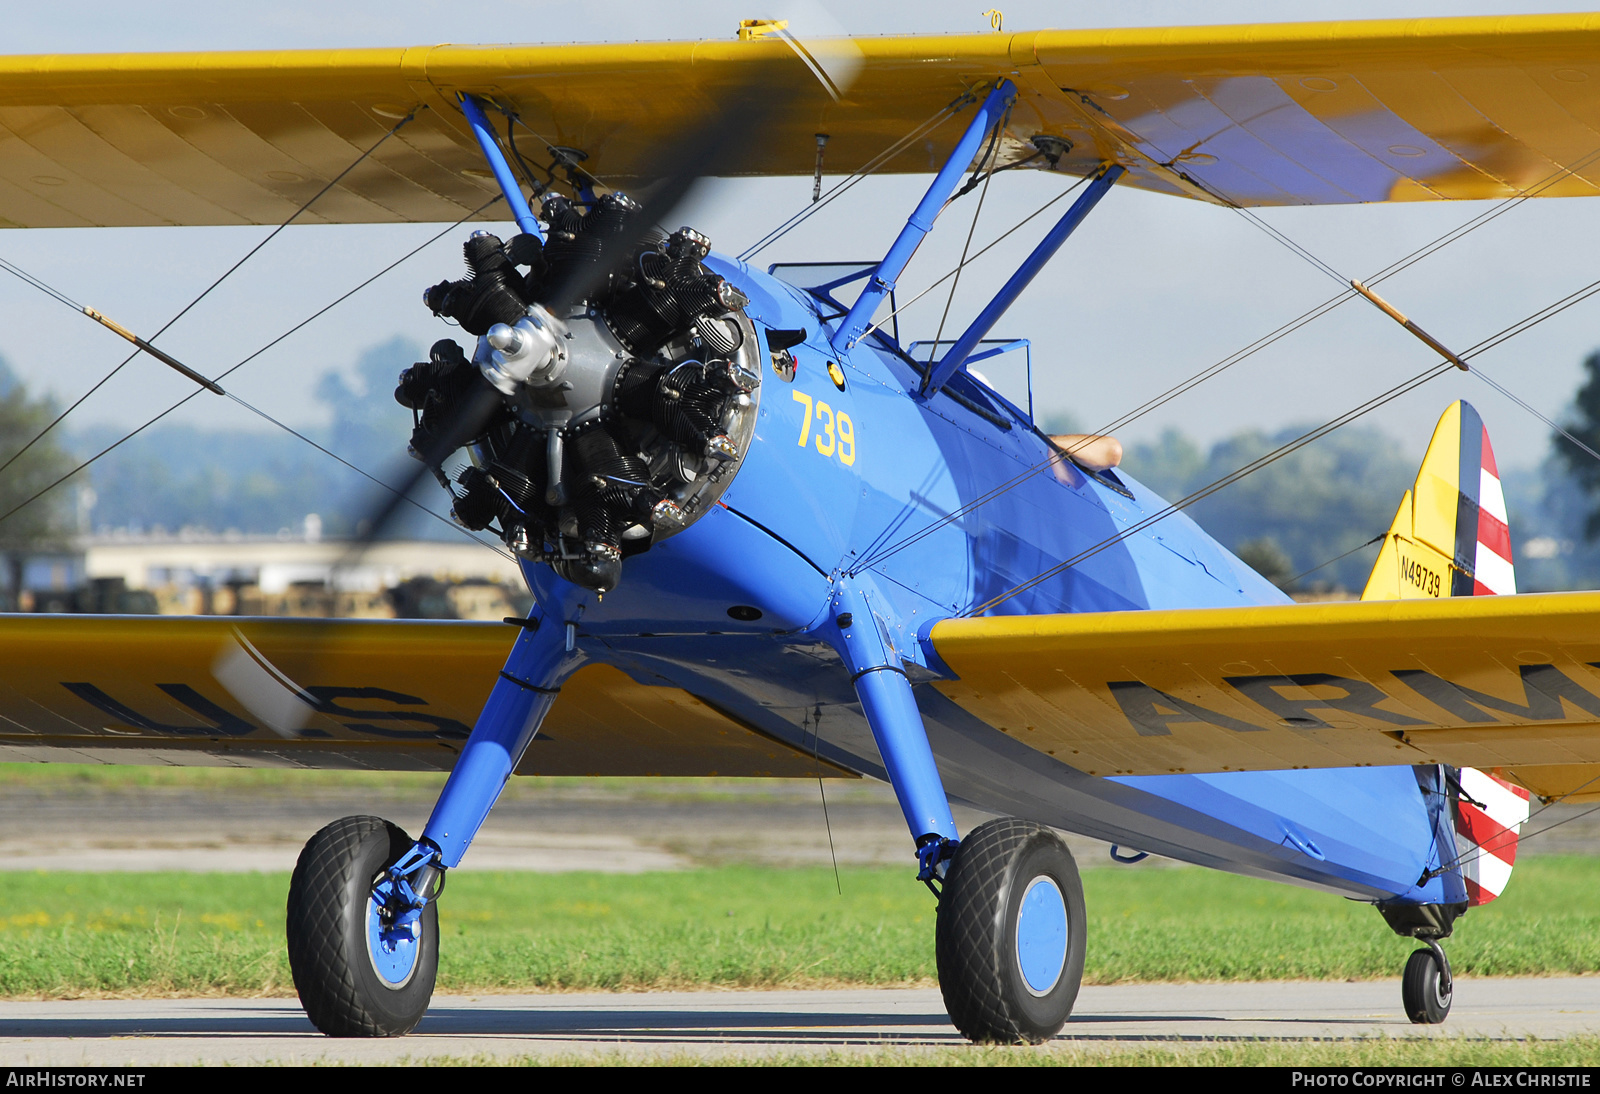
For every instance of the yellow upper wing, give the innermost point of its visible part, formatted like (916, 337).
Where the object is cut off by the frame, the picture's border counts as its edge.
(389, 696)
(1508, 682)
(1259, 115)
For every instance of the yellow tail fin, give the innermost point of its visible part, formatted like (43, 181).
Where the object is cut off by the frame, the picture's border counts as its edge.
(1449, 537)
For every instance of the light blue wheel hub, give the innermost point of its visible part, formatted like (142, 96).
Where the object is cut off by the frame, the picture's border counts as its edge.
(393, 952)
(1042, 936)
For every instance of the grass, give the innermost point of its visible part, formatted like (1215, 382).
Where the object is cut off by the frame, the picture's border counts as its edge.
(114, 777)
(64, 935)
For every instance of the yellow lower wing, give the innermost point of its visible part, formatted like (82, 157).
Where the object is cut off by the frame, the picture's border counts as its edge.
(1485, 682)
(389, 695)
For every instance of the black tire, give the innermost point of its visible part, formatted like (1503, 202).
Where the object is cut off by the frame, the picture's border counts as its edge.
(1421, 990)
(335, 974)
(981, 976)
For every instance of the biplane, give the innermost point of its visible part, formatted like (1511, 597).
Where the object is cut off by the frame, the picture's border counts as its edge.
(766, 538)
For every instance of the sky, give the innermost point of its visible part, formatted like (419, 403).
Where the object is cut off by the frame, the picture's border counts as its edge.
(1148, 291)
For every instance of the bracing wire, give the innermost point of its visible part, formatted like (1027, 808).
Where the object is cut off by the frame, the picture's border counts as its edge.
(843, 186)
(1492, 213)
(1497, 339)
(991, 245)
(1404, 262)
(263, 349)
(1294, 248)
(1518, 835)
(1492, 382)
(26, 277)
(1213, 370)
(1323, 565)
(229, 272)
(252, 408)
(1060, 456)
(816, 757)
(966, 248)
(835, 191)
(1403, 388)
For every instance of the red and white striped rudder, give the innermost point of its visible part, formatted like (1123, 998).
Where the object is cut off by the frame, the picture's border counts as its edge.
(1492, 571)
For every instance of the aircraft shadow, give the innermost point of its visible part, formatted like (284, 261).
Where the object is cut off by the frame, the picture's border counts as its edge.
(608, 1024)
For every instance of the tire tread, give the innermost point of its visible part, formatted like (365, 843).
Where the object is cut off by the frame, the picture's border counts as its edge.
(1419, 990)
(969, 941)
(324, 976)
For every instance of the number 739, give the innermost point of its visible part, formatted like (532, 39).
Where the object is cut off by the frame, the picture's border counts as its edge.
(835, 433)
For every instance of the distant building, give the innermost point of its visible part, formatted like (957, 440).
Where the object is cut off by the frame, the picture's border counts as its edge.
(205, 574)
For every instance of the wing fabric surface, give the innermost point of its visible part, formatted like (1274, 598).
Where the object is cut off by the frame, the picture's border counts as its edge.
(380, 695)
(1507, 684)
(1273, 114)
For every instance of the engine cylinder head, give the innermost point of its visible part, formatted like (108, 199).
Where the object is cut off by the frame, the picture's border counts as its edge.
(492, 294)
(621, 418)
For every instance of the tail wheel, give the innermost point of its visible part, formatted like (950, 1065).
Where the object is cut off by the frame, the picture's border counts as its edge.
(1010, 936)
(355, 976)
(1426, 988)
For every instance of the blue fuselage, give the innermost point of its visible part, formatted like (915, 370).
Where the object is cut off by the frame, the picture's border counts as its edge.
(865, 477)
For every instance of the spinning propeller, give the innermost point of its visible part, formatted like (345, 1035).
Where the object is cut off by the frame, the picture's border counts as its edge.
(612, 390)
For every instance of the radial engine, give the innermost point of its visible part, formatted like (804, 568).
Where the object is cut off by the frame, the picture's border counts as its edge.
(620, 418)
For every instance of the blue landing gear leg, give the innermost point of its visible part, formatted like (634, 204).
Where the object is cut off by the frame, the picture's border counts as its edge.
(1010, 932)
(363, 928)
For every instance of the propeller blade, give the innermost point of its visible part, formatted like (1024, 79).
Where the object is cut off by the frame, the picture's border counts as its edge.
(706, 149)
(714, 146)
(468, 423)
(711, 148)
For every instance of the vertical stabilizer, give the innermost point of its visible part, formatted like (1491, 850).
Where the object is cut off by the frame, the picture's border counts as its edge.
(1450, 538)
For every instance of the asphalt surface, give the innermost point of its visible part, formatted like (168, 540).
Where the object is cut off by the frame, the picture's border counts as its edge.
(630, 827)
(619, 826)
(652, 1026)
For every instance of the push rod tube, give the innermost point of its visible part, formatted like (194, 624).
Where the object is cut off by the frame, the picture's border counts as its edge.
(940, 374)
(883, 279)
(502, 170)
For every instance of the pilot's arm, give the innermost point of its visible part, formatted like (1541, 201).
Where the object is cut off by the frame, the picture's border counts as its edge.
(1091, 450)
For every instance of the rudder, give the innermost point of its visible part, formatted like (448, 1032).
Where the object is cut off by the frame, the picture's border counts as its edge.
(1450, 537)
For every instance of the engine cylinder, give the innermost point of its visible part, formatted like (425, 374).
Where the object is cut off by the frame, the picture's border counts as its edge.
(633, 408)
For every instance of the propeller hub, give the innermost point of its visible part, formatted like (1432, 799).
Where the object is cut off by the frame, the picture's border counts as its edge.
(620, 417)
(532, 353)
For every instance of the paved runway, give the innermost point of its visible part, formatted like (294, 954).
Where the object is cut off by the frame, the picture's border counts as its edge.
(743, 1024)
(621, 826)
(618, 826)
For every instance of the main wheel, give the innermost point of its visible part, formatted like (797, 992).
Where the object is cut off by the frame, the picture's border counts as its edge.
(1010, 935)
(353, 979)
(1423, 990)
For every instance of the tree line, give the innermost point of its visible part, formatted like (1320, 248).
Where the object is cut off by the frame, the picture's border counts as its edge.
(1302, 520)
